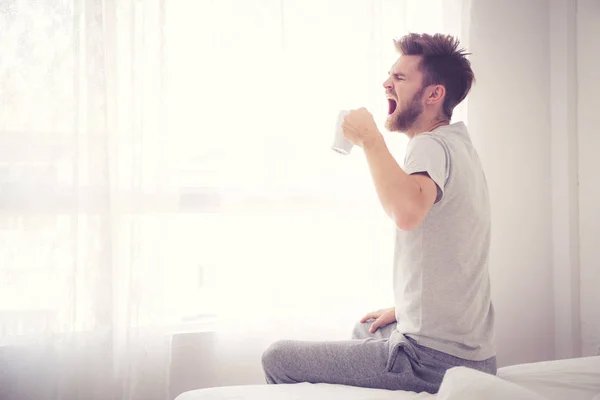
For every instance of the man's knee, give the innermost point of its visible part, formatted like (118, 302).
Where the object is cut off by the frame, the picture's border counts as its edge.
(361, 330)
(276, 361)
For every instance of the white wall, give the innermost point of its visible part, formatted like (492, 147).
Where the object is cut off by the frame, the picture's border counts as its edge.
(509, 119)
(588, 62)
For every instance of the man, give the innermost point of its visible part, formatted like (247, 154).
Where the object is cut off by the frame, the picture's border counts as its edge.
(443, 315)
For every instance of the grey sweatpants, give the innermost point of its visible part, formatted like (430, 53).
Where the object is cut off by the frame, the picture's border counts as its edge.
(383, 360)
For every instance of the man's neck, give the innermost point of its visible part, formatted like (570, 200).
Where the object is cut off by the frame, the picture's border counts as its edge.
(427, 125)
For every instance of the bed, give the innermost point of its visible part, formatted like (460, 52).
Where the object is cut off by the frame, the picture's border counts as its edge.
(572, 379)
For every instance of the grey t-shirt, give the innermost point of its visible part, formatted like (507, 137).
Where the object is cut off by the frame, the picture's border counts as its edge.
(441, 278)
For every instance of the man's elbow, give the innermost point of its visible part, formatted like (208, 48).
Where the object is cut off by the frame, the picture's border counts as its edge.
(407, 221)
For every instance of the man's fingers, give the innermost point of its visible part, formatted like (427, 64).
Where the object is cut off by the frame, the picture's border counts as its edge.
(375, 325)
(371, 315)
(365, 318)
(383, 320)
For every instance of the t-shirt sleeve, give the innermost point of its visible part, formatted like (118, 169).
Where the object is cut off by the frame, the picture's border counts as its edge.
(426, 155)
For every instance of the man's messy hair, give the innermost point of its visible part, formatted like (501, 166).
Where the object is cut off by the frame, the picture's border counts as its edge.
(443, 63)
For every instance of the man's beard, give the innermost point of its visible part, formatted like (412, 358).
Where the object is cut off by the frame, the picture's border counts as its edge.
(407, 117)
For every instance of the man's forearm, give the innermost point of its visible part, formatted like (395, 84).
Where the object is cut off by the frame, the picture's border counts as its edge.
(398, 193)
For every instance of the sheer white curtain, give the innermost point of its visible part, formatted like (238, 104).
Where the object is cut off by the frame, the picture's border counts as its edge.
(85, 200)
(165, 169)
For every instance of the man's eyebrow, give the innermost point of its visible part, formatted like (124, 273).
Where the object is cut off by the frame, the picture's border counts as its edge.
(397, 74)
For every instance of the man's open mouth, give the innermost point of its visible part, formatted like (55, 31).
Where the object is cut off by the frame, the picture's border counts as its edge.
(391, 106)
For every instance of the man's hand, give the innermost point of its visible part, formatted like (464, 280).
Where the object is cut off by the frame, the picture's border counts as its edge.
(382, 318)
(359, 127)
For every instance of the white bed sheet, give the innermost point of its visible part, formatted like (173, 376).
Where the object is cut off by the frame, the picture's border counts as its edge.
(573, 379)
(300, 391)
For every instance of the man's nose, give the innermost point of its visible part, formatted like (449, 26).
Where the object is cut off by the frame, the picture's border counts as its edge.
(387, 84)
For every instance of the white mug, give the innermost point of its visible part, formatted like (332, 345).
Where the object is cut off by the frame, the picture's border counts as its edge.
(340, 143)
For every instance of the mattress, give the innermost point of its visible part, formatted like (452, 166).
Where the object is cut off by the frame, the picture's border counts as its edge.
(572, 379)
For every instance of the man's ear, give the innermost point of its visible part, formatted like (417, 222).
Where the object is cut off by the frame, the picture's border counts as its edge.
(436, 94)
